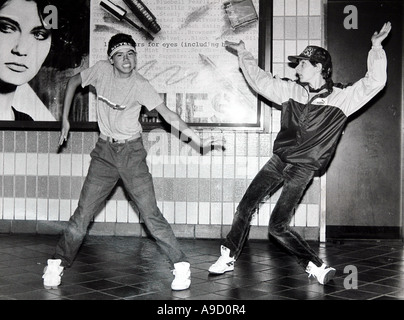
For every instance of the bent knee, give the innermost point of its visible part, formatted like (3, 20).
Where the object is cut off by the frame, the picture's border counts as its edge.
(277, 230)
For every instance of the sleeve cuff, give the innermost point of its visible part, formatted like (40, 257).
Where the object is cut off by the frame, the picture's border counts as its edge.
(377, 47)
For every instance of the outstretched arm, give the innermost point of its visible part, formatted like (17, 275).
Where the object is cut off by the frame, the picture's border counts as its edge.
(262, 82)
(357, 95)
(174, 120)
(71, 88)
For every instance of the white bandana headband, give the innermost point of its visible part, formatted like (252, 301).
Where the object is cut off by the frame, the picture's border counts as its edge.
(121, 45)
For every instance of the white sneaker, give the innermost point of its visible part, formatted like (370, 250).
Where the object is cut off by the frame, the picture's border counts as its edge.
(52, 274)
(182, 276)
(323, 274)
(224, 264)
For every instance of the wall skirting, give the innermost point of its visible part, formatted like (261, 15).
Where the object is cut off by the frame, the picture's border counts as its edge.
(186, 231)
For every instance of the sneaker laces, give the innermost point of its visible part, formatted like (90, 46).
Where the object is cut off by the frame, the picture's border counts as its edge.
(53, 271)
(311, 271)
(224, 260)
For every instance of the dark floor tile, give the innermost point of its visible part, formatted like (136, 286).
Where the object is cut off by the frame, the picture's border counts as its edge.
(300, 294)
(93, 295)
(70, 290)
(378, 288)
(241, 293)
(100, 284)
(42, 294)
(356, 294)
(125, 291)
(131, 268)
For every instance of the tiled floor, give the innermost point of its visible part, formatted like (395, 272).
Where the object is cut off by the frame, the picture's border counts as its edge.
(127, 268)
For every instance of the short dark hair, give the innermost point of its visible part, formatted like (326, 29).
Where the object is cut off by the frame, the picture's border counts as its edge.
(120, 38)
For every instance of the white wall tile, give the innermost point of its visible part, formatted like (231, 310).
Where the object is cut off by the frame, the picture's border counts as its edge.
(32, 164)
(53, 210)
(122, 211)
(21, 164)
(9, 163)
(54, 164)
(180, 214)
(302, 7)
(8, 208)
(77, 165)
(205, 167)
(31, 209)
(241, 167)
(42, 209)
(204, 213)
(252, 167)
(65, 164)
(133, 216)
(216, 213)
(313, 215)
(193, 166)
(19, 209)
(264, 214)
(65, 210)
(100, 217)
(43, 164)
(169, 166)
(86, 164)
(181, 167)
(110, 211)
(301, 216)
(228, 167)
(169, 211)
(228, 213)
(315, 7)
(290, 7)
(278, 7)
(192, 212)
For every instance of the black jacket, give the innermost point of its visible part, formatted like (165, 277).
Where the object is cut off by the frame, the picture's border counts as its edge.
(311, 123)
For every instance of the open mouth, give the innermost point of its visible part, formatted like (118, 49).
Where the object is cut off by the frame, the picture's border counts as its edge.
(16, 67)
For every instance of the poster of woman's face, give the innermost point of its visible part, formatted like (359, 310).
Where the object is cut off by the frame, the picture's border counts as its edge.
(42, 44)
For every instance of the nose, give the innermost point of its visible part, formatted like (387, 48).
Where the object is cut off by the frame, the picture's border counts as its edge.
(21, 46)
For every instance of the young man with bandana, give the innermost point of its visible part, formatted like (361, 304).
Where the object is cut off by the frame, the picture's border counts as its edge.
(119, 154)
(314, 113)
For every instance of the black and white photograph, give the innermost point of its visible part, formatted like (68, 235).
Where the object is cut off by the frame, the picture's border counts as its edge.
(206, 158)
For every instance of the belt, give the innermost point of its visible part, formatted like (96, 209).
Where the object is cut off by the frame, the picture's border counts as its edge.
(110, 139)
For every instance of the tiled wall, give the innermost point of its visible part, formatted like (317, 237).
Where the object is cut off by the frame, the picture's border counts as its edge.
(197, 194)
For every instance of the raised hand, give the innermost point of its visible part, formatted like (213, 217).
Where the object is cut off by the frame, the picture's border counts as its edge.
(378, 37)
(234, 46)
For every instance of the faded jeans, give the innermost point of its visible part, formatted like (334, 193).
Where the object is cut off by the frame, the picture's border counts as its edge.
(110, 162)
(274, 174)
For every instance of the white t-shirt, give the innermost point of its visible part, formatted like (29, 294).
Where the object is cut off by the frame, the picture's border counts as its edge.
(133, 93)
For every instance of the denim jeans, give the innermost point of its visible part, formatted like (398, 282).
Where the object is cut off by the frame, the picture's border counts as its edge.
(274, 174)
(109, 163)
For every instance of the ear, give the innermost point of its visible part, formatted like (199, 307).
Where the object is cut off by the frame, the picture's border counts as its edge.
(319, 67)
(110, 60)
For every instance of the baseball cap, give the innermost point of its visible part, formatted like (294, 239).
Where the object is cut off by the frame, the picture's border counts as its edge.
(120, 41)
(313, 53)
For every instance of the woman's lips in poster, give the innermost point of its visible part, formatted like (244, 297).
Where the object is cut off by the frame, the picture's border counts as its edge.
(16, 67)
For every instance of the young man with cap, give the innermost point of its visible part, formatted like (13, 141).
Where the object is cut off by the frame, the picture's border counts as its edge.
(119, 154)
(314, 113)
